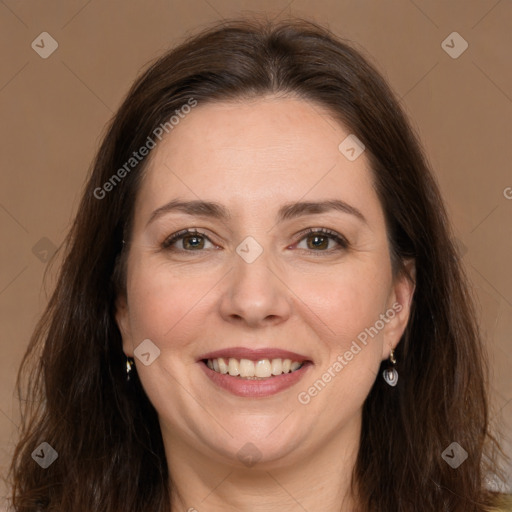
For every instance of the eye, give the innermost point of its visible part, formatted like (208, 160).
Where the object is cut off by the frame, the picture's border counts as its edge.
(191, 240)
(319, 240)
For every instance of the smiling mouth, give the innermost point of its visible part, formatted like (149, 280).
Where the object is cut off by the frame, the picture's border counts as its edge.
(253, 370)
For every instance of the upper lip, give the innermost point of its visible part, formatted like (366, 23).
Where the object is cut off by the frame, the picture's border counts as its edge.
(254, 354)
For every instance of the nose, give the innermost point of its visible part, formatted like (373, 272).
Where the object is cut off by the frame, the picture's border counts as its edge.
(257, 294)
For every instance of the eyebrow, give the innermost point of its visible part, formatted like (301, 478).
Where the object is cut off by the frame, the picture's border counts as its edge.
(288, 211)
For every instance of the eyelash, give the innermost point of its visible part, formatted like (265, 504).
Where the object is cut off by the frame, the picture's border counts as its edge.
(339, 239)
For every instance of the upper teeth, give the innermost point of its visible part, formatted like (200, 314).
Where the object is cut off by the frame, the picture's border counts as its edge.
(263, 368)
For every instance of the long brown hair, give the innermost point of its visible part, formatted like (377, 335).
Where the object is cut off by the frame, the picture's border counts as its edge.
(105, 430)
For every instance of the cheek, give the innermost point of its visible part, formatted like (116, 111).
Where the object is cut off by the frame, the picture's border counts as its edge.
(348, 299)
(346, 307)
(162, 301)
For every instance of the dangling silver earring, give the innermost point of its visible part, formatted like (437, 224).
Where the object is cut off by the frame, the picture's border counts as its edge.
(129, 364)
(390, 374)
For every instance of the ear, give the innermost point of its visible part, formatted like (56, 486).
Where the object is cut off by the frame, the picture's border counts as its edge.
(399, 307)
(122, 315)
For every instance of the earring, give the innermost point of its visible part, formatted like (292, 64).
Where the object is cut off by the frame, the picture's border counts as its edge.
(129, 364)
(390, 374)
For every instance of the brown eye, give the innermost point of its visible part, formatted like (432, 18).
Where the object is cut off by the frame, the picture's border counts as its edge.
(318, 242)
(190, 241)
(193, 242)
(323, 240)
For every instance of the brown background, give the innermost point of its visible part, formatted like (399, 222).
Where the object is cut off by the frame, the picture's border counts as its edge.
(53, 112)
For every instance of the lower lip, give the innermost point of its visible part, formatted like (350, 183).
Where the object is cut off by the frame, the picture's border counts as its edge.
(255, 388)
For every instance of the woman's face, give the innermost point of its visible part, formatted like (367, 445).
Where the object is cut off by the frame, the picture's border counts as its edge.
(254, 286)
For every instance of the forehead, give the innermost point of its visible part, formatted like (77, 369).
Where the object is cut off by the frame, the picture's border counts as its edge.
(248, 152)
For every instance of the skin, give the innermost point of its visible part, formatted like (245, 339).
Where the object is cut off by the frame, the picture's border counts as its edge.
(252, 157)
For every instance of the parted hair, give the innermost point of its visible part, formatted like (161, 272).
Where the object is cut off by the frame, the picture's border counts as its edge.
(72, 382)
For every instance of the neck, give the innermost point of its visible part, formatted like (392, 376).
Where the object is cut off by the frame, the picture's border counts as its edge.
(321, 474)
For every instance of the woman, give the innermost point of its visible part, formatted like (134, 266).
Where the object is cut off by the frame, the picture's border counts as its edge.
(260, 306)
